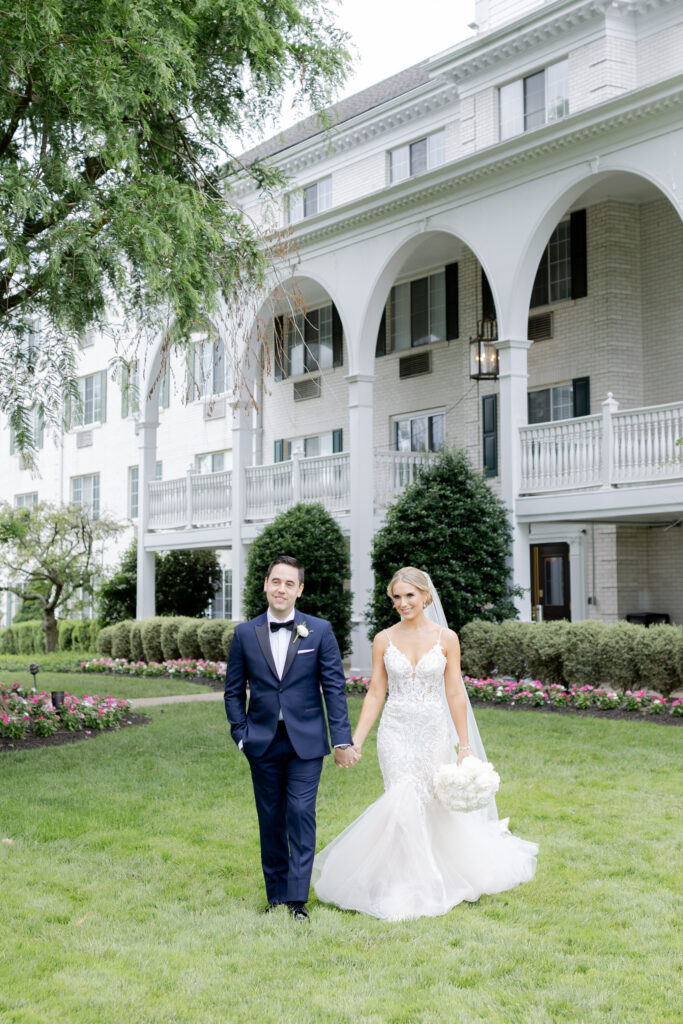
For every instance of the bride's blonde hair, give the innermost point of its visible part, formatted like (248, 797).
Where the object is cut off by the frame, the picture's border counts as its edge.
(416, 578)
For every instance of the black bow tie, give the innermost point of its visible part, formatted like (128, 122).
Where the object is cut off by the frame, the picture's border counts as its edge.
(274, 626)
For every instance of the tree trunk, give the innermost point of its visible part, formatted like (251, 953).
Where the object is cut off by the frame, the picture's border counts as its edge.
(50, 628)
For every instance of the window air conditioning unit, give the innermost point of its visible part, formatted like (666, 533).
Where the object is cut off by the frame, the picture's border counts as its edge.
(84, 438)
(415, 365)
(305, 389)
(540, 327)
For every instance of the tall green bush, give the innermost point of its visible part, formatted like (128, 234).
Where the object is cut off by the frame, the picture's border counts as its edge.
(168, 637)
(618, 653)
(451, 524)
(188, 639)
(544, 645)
(105, 640)
(581, 659)
(658, 660)
(311, 534)
(120, 645)
(509, 648)
(137, 652)
(210, 636)
(151, 638)
(477, 647)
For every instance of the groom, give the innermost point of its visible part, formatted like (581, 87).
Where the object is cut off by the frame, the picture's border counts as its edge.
(286, 658)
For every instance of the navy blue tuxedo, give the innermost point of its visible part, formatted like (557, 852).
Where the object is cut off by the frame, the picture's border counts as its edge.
(285, 756)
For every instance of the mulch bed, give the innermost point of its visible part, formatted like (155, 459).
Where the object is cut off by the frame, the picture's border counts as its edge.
(65, 736)
(550, 709)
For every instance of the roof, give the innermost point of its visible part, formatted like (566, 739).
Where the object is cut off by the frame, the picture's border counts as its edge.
(403, 82)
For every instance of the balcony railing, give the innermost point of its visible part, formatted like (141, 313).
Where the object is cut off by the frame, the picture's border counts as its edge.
(205, 499)
(197, 499)
(630, 447)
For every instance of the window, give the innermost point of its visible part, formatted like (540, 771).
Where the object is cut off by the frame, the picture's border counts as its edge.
(36, 430)
(207, 369)
(562, 402)
(417, 157)
(92, 406)
(26, 500)
(423, 432)
(534, 100)
(133, 491)
(489, 431)
(85, 491)
(309, 200)
(318, 444)
(307, 342)
(158, 471)
(130, 390)
(165, 384)
(419, 312)
(221, 605)
(211, 462)
(562, 272)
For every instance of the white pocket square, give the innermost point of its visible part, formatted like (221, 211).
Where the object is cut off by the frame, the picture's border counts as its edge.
(306, 650)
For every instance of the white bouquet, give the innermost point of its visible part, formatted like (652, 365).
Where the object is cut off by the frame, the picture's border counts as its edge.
(468, 786)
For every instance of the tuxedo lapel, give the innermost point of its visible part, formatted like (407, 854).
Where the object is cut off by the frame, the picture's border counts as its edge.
(292, 647)
(263, 636)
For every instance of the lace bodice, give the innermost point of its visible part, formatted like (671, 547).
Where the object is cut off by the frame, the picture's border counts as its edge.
(413, 735)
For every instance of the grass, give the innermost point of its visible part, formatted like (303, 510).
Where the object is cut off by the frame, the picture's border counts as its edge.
(126, 686)
(132, 889)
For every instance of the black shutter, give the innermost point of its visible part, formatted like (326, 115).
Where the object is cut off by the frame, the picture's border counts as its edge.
(338, 440)
(488, 306)
(278, 349)
(381, 346)
(452, 302)
(489, 419)
(419, 311)
(582, 396)
(577, 232)
(312, 340)
(337, 338)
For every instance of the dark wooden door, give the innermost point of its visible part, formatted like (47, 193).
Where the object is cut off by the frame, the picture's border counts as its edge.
(550, 580)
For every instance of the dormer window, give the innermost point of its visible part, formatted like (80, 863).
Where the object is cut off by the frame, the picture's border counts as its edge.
(534, 100)
(417, 157)
(309, 200)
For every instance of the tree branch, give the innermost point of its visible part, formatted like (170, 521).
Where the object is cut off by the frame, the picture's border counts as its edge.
(19, 110)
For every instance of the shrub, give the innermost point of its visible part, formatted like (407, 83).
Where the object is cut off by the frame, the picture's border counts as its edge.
(618, 647)
(29, 637)
(7, 642)
(544, 645)
(105, 639)
(581, 659)
(509, 648)
(210, 636)
(657, 657)
(65, 630)
(136, 649)
(84, 635)
(151, 638)
(120, 645)
(188, 639)
(477, 642)
(451, 524)
(309, 533)
(169, 636)
(226, 638)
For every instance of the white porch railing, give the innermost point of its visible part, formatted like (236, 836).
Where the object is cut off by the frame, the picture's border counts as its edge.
(644, 446)
(634, 446)
(394, 471)
(269, 490)
(325, 478)
(197, 499)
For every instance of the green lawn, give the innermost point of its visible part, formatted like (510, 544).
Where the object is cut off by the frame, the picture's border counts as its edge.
(79, 683)
(132, 891)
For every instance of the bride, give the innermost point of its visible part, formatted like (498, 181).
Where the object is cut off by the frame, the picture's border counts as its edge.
(408, 856)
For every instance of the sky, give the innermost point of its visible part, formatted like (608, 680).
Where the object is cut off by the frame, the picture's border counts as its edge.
(388, 36)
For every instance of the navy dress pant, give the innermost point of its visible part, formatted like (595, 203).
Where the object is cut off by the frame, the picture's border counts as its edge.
(285, 790)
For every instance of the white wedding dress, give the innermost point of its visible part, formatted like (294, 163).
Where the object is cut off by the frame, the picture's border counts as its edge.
(408, 856)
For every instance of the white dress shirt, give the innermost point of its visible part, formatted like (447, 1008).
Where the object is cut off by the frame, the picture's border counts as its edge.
(279, 643)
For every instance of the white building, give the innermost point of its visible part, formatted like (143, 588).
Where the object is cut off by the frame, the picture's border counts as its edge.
(524, 186)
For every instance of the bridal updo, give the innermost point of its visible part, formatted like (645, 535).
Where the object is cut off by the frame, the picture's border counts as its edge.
(415, 577)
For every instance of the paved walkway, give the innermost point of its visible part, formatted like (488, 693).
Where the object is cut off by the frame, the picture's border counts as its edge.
(185, 698)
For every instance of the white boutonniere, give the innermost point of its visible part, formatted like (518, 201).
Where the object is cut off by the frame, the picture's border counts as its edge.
(301, 630)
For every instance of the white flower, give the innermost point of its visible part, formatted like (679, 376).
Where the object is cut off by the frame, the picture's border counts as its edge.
(302, 630)
(468, 786)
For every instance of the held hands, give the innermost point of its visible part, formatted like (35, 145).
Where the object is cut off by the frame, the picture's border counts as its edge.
(347, 757)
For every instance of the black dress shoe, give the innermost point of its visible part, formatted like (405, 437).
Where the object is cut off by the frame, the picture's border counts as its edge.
(298, 911)
(273, 906)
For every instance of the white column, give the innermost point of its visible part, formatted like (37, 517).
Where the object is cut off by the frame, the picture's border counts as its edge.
(147, 448)
(513, 415)
(362, 488)
(609, 407)
(241, 458)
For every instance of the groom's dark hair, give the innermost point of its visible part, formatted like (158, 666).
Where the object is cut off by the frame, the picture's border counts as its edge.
(287, 560)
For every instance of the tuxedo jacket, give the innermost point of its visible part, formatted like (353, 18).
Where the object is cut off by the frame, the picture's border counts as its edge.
(312, 670)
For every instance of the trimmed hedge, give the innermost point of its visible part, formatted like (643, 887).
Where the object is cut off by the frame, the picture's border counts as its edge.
(29, 638)
(105, 639)
(188, 638)
(622, 655)
(120, 644)
(151, 639)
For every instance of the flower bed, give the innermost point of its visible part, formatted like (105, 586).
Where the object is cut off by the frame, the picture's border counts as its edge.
(183, 668)
(534, 694)
(25, 712)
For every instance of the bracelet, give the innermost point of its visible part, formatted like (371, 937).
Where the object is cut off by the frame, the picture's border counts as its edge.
(467, 747)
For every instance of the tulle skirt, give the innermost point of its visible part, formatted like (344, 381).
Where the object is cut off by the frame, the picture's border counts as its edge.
(405, 857)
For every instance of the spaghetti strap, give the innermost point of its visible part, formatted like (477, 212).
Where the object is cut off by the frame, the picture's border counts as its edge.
(387, 636)
(438, 639)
